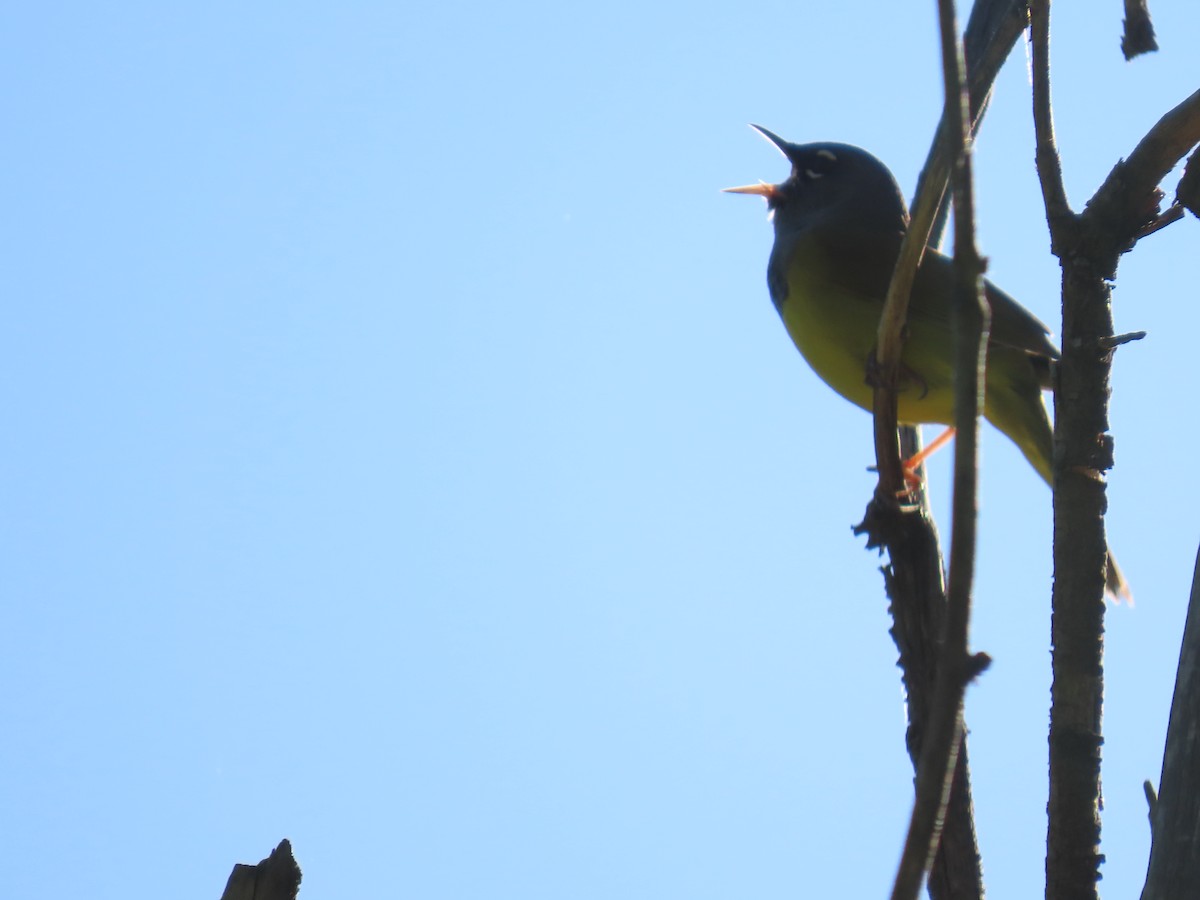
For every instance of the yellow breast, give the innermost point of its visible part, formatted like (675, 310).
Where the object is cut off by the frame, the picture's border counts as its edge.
(834, 326)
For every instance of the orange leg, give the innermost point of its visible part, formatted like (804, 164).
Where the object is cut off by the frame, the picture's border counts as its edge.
(913, 463)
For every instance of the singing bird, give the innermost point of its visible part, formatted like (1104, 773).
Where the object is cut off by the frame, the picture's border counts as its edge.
(839, 219)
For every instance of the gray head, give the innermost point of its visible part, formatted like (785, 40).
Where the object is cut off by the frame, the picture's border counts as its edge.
(831, 185)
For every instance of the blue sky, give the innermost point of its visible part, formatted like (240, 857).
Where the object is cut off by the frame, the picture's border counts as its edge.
(403, 455)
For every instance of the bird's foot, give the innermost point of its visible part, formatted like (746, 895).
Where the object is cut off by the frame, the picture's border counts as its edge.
(913, 477)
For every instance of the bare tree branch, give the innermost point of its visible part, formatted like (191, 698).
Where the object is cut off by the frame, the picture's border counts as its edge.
(1049, 167)
(1139, 30)
(1128, 199)
(1187, 194)
(1077, 623)
(275, 878)
(992, 32)
(1175, 815)
(1169, 215)
(1088, 247)
(935, 772)
(914, 576)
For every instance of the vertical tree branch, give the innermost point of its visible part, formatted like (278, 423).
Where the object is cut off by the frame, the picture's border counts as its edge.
(992, 31)
(1175, 817)
(1112, 222)
(939, 753)
(1089, 247)
(914, 578)
(1082, 455)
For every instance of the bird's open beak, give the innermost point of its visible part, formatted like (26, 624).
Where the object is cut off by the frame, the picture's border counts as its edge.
(762, 189)
(780, 144)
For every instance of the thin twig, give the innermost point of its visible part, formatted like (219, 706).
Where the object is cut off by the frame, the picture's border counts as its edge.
(1112, 343)
(955, 667)
(1167, 217)
(993, 30)
(1049, 166)
(915, 578)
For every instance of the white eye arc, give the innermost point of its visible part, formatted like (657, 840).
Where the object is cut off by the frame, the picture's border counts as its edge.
(812, 175)
(827, 154)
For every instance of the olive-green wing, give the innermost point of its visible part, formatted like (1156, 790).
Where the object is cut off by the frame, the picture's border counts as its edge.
(862, 263)
(1012, 324)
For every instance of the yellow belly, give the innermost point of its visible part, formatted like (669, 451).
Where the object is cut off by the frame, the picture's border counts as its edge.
(835, 329)
(835, 332)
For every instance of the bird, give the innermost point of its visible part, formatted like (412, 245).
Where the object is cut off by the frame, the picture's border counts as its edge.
(839, 219)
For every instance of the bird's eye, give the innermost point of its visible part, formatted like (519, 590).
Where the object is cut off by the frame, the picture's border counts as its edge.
(818, 164)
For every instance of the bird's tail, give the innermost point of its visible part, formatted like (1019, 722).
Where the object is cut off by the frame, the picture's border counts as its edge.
(1028, 425)
(1114, 581)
